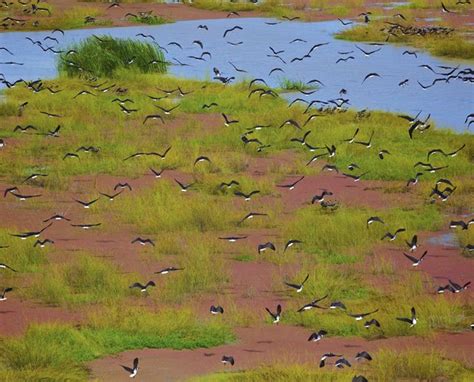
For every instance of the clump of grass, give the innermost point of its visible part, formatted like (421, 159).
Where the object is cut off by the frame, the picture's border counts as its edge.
(203, 272)
(295, 85)
(104, 56)
(224, 5)
(465, 238)
(148, 19)
(20, 254)
(85, 280)
(164, 208)
(280, 373)
(425, 366)
(118, 329)
(7, 109)
(346, 228)
(455, 46)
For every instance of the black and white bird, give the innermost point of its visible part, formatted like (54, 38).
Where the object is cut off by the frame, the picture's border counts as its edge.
(247, 197)
(57, 217)
(415, 179)
(111, 197)
(412, 321)
(413, 243)
(184, 187)
(167, 270)
(325, 356)
(337, 305)
(415, 261)
(291, 243)
(312, 304)
(393, 236)
(216, 309)
(360, 316)
(317, 336)
(251, 215)
(122, 186)
(5, 266)
(363, 355)
(142, 241)
(372, 322)
(3, 295)
(202, 158)
(228, 121)
(132, 370)
(342, 362)
(374, 219)
(143, 288)
(456, 288)
(33, 177)
(292, 185)
(359, 378)
(86, 226)
(42, 243)
(263, 247)
(460, 223)
(297, 287)
(275, 316)
(156, 174)
(228, 360)
(36, 234)
(320, 198)
(86, 204)
(233, 239)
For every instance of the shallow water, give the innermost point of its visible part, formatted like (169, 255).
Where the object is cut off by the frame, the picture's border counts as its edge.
(448, 104)
(447, 239)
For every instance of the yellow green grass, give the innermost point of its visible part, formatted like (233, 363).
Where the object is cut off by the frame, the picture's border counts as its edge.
(58, 352)
(451, 46)
(417, 366)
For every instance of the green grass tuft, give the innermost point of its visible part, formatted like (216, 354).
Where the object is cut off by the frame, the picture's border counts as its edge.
(106, 56)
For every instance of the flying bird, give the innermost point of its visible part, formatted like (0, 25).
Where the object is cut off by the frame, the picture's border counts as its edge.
(415, 261)
(275, 316)
(412, 320)
(297, 287)
(132, 370)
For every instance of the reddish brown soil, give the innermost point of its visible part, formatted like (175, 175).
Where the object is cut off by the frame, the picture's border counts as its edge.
(268, 344)
(16, 315)
(344, 189)
(184, 12)
(251, 286)
(443, 262)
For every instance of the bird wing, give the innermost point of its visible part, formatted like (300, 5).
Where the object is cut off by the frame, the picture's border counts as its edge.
(306, 279)
(292, 285)
(404, 319)
(269, 312)
(411, 258)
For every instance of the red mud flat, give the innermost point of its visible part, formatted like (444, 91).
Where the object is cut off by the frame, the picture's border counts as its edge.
(345, 190)
(266, 345)
(443, 262)
(17, 315)
(169, 11)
